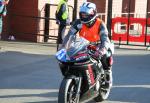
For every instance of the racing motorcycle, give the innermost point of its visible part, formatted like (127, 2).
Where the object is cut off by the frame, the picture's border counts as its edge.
(84, 77)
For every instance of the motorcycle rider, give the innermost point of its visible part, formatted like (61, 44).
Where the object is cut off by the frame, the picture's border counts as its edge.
(92, 28)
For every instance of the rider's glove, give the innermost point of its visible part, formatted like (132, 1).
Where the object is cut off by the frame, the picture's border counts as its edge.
(100, 52)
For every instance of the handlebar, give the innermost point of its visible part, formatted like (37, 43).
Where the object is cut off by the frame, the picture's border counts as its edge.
(92, 48)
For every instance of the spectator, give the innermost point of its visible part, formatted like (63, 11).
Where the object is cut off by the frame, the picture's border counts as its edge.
(3, 12)
(62, 19)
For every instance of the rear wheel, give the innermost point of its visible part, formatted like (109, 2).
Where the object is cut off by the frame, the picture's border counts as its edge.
(67, 92)
(104, 91)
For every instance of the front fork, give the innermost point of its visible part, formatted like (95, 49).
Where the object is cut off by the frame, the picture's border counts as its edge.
(78, 81)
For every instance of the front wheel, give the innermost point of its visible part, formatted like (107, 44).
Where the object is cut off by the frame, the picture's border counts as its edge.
(67, 92)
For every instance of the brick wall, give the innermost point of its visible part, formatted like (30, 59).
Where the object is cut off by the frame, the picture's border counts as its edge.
(21, 23)
(41, 13)
(116, 8)
(53, 27)
(26, 28)
(140, 10)
(22, 27)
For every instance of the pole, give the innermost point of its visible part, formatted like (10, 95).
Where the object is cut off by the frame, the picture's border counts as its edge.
(47, 15)
(109, 17)
(75, 10)
(128, 29)
(146, 21)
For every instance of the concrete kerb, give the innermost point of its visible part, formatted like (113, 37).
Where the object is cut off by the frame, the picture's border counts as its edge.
(29, 47)
(49, 48)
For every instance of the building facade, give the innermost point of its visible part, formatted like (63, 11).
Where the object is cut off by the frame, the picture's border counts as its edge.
(26, 18)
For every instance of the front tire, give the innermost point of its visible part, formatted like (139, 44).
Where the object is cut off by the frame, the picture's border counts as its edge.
(67, 92)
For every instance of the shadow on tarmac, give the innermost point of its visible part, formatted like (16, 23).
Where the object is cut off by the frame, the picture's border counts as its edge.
(23, 71)
(28, 75)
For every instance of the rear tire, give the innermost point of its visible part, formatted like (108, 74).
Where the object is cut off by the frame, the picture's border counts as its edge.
(67, 92)
(104, 91)
(103, 95)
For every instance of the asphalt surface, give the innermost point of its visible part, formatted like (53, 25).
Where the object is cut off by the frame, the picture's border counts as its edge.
(29, 74)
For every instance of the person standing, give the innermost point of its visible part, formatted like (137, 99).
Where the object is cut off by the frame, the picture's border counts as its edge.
(62, 19)
(3, 12)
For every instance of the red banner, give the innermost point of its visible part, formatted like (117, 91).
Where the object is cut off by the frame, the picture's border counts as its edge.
(127, 34)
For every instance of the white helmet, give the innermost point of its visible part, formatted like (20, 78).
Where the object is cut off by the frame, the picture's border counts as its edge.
(87, 12)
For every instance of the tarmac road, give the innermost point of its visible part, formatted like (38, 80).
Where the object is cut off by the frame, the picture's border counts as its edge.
(29, 74)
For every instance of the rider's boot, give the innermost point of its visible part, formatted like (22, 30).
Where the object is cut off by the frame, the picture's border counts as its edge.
(107, 66)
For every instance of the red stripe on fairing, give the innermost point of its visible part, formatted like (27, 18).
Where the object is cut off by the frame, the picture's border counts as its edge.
(111, 60)
(91, 74)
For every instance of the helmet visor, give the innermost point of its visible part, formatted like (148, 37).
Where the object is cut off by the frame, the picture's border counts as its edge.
(85, 18)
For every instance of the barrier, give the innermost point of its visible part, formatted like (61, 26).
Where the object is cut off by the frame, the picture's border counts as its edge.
(127, 35)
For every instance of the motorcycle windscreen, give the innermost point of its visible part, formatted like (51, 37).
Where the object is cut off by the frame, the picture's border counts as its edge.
(76, 45)
(71, 48)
